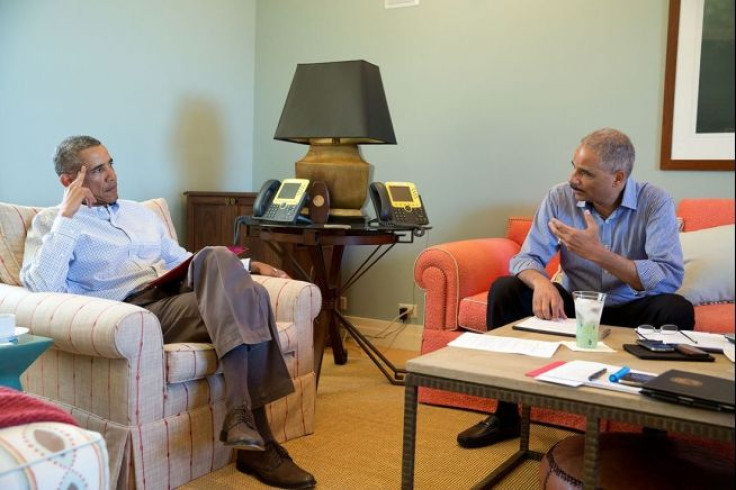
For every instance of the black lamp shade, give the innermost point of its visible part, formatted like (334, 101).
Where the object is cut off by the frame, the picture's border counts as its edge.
(342, 101)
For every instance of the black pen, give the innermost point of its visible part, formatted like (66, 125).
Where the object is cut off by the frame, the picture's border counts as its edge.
(597, 374)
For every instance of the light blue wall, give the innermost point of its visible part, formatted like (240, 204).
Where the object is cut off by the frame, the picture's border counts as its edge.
(166, 85)
(489, 98)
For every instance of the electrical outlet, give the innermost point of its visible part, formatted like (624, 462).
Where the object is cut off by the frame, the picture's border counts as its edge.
(343, 303)
(411, 310)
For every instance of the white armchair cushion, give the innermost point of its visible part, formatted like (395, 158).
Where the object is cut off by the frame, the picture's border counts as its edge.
(189, 361)
(709, 265)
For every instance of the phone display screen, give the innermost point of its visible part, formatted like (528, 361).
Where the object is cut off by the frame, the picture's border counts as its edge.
(288, 190)
(400, 193)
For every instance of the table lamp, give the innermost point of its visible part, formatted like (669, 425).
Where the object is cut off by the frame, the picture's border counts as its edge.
(334, 107)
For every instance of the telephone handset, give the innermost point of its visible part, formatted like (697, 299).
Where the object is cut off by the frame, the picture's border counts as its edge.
(281, 201)
(398, 204)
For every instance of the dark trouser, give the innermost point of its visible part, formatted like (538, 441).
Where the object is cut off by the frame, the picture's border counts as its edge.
(220, 303)
(510, 299)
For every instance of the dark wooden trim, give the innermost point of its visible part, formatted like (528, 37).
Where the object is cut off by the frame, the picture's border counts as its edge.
(666, 161)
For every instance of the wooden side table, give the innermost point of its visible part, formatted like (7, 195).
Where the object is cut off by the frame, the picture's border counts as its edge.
(16, 356)
(325, 246)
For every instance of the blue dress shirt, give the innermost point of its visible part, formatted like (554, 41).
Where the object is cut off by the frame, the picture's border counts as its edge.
(643, 229)
(104, 251)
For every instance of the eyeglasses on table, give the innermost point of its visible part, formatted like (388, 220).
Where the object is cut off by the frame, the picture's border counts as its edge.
(667, 331)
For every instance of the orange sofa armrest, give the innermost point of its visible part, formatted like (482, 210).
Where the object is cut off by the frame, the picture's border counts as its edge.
(452, 271)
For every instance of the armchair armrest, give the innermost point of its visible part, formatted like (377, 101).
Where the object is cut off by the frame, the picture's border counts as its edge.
(298, 302)
(452, 271)
(101, 350)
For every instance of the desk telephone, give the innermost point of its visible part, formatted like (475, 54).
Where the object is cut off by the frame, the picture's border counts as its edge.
(281, 201)
(398, 204)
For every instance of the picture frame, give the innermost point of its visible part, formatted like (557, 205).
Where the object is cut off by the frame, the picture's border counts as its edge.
(683, 147)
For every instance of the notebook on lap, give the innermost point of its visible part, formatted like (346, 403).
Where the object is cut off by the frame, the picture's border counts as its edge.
(694, 389)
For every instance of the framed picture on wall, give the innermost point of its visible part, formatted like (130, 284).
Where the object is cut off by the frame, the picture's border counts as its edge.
(698, 110)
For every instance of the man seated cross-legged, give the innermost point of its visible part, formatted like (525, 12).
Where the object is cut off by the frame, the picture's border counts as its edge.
(96, 244)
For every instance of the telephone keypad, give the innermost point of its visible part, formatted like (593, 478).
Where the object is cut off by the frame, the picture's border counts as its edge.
(409, 216)
(283, 212)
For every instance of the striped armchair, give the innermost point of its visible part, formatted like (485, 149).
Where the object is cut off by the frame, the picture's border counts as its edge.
(159, 407)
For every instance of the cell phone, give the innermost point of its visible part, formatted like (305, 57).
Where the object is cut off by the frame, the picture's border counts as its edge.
(635, 379)
(656, 345)
(690, 350)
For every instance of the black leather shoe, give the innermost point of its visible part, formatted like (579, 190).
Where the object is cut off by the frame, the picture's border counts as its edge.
(239, 431)
(489, 431)
(274, 467)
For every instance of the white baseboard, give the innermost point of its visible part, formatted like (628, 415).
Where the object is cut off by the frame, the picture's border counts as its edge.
(410, 337)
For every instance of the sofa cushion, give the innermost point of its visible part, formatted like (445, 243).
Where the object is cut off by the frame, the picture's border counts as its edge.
(706, 213)
(715, 318)
(15, 221)
(709, 265)
(190, 361)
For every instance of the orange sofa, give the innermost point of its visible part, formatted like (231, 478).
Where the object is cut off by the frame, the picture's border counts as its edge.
(456, 277)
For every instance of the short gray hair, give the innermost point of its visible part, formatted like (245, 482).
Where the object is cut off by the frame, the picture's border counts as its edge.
(66, 156)
(614, 149)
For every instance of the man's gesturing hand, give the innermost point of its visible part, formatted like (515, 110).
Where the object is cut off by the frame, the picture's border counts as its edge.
(585, 243)
(76, 194)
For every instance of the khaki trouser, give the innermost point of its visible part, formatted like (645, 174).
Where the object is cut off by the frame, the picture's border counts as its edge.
(220, 303)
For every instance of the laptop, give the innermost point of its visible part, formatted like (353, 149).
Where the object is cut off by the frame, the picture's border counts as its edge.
(694, 389)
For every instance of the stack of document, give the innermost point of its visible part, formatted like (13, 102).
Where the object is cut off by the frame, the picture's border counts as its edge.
(509, 345)
(710, 342)
(566, 327)
(582, 373)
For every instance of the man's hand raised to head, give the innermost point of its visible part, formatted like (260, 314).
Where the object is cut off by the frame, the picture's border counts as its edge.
(585, 243)
(76, 194)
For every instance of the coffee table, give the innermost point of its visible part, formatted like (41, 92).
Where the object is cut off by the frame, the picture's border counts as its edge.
(16, 356)
(501, 376)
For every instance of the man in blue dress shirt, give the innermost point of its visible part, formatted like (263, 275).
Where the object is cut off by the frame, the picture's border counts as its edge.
(96, 244)
(614, 235)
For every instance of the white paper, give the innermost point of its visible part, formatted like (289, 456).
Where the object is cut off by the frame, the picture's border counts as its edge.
(713, 342)
(728, 351)
(573, 373)
(578, 373)
(601, 347)
(509, 345)
(566, 326)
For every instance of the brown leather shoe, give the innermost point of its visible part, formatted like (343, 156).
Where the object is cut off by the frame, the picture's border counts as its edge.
(274, 467)
(239, 431)
(490, 431)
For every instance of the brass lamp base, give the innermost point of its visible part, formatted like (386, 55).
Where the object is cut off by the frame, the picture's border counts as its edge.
(347, 175)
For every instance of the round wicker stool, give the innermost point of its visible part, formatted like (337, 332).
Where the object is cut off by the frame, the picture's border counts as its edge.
(632, 461)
